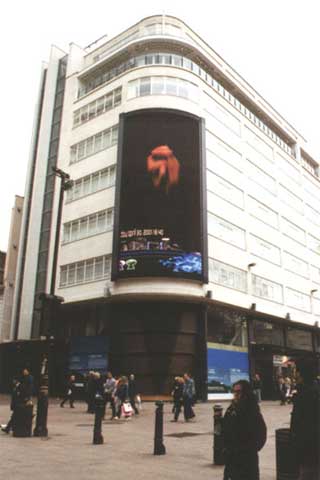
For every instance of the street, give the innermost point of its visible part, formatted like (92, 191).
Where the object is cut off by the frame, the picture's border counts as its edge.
(68, 452)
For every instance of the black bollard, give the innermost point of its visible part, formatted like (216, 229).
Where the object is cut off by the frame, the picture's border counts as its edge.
(159, 448)
(217, 435)
(98, 416)
(41, 429)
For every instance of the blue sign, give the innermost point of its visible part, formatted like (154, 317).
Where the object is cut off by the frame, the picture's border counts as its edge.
(226, 365)
(89, 353)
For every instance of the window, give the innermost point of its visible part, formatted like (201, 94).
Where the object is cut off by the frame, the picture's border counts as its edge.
(92, 183)
(228, 276)
(295, 265)
(226, 231)
(85, 271)
(97, 107)
(261, 287)
(224, 151)
(268, 333)
(263, 179)
(292, 231)
(298, 300)
(162, 86)
(262, 212)
(265, 250)
(94, 144)
(290, 199)
(225, 190)
(314, 243)
(87, 226)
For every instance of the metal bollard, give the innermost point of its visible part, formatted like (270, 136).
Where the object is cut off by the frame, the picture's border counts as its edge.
(217, 435)
(159, 448)
(99, 413)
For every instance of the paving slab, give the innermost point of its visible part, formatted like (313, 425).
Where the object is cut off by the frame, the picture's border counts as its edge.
(68, 452)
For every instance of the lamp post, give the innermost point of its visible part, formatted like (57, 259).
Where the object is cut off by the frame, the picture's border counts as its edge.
(50, 303)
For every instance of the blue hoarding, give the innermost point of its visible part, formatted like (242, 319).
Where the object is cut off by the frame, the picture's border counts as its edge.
(226, 365)
(88, 353)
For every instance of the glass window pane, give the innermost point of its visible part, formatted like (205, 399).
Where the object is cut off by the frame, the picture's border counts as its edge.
(145, 86)
(89, 149)
(95, 182)
(98, 142)
(86, 185)
(100, 105)
(80, 272)
(102, 221)
(117, 96)
(112, 175)
(63, 276)
(157, 85)
(66, 233)
(171, 86)
(89, 270)
(98, 270)
(73, 154)
(106, 140)
(108, 101)
(71, 274)
(114, 133)
(92, 109)
(74, 230)
(84, 114)
(83, 227)
(81, 150)
(92, 224)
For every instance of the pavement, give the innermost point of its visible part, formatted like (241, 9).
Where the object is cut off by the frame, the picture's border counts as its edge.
(127, 452)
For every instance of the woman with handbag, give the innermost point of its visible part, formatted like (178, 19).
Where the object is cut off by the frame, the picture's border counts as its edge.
(121, 395)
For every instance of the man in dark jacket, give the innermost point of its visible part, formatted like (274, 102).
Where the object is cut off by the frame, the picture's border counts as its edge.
(305, 421)
(132, 392)
(26, 386)
(244, 434)
(15, 398)
(70, 391)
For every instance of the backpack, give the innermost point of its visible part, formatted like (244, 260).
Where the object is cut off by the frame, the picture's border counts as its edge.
(261, 432)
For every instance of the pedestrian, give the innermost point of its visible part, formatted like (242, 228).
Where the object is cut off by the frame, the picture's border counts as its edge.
(132, 393)
(175, 384)
(188, 397)
(90, 392)
(121, 395)
(13, 405)
(305, 421)
(26, 387)
(243, 433)
(70, 391)
(257, 386)
(109, 392)
(282, 390)
(177, 394)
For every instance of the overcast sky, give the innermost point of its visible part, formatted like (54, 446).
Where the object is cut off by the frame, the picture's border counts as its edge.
(273, 44)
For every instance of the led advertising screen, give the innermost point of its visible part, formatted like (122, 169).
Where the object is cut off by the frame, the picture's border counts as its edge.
(159, 224)
(226, 365)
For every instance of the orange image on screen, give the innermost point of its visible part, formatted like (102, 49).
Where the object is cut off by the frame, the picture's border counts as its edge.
(164, 167)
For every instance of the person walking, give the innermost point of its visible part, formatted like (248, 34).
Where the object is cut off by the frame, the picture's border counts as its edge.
(15, 396)
(188, 397)
(305, 421)
(26, 386)
(282, 390)
(109, 391)
(121, 395)
(257, 385)
(70, 391)
(244, 434)
(177, 394)
(90, 385)
(132, 393)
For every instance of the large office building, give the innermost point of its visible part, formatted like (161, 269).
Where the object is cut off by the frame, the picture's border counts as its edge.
(190, 238)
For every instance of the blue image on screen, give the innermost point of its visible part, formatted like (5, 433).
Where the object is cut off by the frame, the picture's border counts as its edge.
(225, 367)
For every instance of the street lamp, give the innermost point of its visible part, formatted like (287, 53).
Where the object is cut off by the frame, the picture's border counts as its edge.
(50, 302)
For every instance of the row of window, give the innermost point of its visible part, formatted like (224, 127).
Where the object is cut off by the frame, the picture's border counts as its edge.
(92, 183)
(87, 226)
(234, 235)
(94, 144)
(97, 107)
(89, 270)
(162, 86)
(235, 278)
(185, 63)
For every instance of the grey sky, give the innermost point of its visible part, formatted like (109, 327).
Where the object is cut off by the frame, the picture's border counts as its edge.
(273, 44)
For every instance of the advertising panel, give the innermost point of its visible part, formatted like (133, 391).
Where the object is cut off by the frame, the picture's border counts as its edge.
(159, 227)
(226, 365)
(88, 353)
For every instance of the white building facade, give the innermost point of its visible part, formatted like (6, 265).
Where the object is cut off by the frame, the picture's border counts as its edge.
(261, 211)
